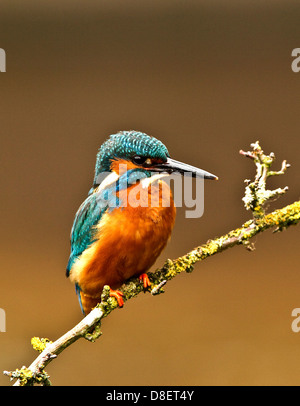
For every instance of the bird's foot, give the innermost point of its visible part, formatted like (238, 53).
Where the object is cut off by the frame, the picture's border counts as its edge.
(145, 279)
(118, 296)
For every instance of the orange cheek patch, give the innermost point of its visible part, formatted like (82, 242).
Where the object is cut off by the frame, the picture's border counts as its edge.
(120, 166)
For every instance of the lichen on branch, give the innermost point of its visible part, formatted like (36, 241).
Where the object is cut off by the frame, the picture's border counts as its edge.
(256, 194)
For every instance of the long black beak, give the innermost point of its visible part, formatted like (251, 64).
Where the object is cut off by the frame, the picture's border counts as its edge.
(171, 166)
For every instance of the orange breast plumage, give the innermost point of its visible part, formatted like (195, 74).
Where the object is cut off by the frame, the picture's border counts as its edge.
(127, 240)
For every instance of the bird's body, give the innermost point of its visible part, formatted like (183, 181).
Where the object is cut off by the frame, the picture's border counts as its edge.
(127, 242)
(127, 219)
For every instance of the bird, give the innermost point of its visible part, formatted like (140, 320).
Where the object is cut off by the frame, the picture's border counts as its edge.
(118, 231)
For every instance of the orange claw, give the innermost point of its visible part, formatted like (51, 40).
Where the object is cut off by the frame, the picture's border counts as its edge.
(118, 296)
(145, 279)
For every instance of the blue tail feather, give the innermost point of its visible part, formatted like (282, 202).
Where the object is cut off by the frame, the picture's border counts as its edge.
(78, 290)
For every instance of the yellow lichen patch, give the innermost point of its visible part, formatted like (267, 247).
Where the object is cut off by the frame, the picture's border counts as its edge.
(284, 217)
(24, 375)
(39, 344)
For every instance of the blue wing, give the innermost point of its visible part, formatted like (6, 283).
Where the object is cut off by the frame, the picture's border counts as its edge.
(83, 230)
(89, 214)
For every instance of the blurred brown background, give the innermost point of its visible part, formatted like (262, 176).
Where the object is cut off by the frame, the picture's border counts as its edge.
(207, 78)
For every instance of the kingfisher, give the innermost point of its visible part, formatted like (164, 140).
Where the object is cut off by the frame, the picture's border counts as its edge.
(127, 218)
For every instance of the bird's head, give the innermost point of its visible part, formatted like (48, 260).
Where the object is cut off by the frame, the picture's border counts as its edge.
(134, 150)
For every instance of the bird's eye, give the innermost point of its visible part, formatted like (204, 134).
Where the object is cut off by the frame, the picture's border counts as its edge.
(141, 160)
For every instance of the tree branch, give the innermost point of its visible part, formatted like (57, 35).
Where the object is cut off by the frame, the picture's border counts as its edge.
(256, 196)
